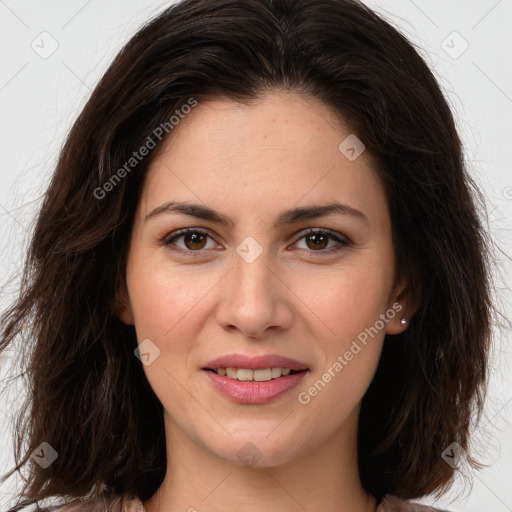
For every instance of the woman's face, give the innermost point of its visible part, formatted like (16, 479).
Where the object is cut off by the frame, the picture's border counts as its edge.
(250, 289)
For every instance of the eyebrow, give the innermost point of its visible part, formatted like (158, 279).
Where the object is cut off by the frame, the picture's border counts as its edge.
(287, 217)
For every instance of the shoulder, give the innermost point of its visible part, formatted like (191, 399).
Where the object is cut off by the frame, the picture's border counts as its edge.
(124, 503)
(391, 503)
(127, 503)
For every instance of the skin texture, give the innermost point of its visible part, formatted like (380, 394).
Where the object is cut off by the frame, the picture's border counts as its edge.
(250, 163)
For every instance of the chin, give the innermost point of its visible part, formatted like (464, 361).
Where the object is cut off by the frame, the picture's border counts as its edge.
(256, 451)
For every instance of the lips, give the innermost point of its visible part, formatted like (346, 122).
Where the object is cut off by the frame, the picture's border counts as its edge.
(255, 362)
(254, 379)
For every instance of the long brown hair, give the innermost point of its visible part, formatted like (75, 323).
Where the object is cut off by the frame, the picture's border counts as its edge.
(88, 395)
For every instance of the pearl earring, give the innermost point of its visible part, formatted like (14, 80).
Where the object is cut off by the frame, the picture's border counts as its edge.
(403, 321)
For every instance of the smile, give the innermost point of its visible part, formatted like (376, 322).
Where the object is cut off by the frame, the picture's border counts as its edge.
(247, 374)
(245, 388)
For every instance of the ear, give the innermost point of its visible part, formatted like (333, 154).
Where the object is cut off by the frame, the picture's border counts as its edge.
(122, 308)
(401, 302)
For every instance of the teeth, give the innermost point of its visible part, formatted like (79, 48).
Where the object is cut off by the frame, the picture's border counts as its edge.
(232, 373)
(263, 375)
(276, 372)
(245, 374)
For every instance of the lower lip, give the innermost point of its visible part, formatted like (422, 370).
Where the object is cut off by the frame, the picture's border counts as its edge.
(253, 392)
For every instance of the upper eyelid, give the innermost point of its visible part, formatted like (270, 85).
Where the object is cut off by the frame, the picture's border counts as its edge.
(299, 235)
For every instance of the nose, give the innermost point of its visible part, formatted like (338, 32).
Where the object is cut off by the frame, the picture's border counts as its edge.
(255, 300)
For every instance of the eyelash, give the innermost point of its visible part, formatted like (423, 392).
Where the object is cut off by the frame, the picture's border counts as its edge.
(167, 241)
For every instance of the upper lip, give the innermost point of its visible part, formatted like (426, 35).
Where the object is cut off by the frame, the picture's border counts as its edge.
(255, 362)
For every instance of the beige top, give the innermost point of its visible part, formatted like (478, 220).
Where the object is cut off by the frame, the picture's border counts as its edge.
(126, 503)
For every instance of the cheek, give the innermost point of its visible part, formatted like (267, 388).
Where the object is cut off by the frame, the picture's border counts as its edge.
(346, 300)
(350, 349)
(166, 304)
(350, 334)
(165, 299)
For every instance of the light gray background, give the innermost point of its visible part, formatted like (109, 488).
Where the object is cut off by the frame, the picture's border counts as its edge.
(40, 98)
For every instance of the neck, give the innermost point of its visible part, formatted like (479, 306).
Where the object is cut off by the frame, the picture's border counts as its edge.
(326, 479)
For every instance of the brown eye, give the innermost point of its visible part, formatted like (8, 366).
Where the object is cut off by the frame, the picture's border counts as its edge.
(194, 240)
(322, 241)
(188, 240)
(317, 241)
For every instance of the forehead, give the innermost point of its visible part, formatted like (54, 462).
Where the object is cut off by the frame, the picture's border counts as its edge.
(274, 152)
(272, 121)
